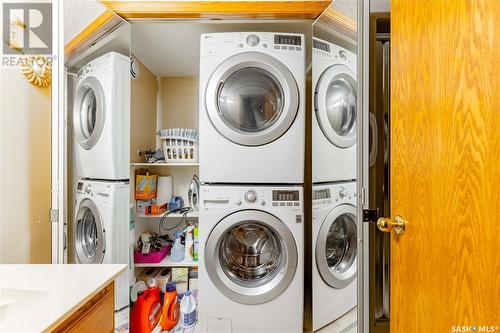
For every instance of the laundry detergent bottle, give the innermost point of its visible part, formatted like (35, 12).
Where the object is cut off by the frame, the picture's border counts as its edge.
(170, 311)
(146, 311)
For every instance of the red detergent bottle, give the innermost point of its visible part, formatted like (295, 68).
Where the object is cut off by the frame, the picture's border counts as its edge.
(146, 311)
(170, 311)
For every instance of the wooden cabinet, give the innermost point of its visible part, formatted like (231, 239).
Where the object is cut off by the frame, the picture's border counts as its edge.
(97, 315)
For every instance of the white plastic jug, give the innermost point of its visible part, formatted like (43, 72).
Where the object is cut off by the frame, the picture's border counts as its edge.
(189, 311)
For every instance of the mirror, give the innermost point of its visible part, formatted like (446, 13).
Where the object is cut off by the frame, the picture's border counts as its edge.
(333, 137)
(97, 81)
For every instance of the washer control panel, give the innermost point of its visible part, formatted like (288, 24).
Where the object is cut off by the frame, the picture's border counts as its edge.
(335, 194)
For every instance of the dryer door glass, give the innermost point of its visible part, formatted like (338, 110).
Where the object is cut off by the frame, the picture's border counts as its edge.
(89, 234)
(251, 256)
(335, 105)
(250, 100)
(88, 112)
(341, 106)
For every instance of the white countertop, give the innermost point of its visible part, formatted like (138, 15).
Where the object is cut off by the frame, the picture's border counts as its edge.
(35, 298)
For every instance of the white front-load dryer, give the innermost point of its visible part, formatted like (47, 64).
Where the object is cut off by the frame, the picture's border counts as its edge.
(334, 120)
(334, 252)
(251, 263)
(251, 115)
(101, 118)
(101, 228)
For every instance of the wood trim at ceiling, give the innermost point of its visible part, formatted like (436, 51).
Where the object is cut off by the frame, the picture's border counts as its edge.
(92, 32)
(146, 9)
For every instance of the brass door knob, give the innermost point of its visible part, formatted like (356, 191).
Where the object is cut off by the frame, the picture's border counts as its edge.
(387, 224)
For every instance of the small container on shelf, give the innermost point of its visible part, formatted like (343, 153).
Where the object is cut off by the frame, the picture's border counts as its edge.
(152, 257)
(180, 145)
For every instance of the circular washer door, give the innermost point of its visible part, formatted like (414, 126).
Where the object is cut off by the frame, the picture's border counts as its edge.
(90, 240)
(335, 105)
(89, 112)
(252, 99)
(251, 256)
(336, 247)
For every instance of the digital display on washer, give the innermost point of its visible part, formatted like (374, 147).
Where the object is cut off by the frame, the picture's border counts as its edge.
(79, 187)
(321, 194)
(287, 40)
(285, 195)
(321, 46)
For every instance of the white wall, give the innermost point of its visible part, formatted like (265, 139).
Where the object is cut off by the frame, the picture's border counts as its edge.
(24, 169)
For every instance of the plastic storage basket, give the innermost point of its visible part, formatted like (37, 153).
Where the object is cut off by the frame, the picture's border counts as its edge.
(180, 145)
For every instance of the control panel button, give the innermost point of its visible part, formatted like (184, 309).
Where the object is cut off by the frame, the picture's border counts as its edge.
(87, 189)
(252, 40)
(342, 193)
(262, 203)
(342, 55)
(238, 202)
(276, 47)
(251, 196)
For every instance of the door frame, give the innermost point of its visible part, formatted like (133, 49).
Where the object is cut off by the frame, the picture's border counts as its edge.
(363, 165)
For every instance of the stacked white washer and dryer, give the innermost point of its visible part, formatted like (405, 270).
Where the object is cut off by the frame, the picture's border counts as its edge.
(252, 170)
(334, 183)
(101, 126)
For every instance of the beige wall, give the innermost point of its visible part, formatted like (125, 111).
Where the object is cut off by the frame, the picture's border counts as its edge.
(24, 170)
(179, 102)
(143, 108)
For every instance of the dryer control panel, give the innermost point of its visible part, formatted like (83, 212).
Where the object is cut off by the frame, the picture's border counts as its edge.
(326, 196)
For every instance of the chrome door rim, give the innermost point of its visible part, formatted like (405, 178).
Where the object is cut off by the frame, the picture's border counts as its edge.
(284, 78)
(246, 294)
(88, 204)
(93, 84)
(334, 280)
(331, 73)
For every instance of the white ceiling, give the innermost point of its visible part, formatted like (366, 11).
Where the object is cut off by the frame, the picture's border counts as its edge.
(173, 48)
(78, 14)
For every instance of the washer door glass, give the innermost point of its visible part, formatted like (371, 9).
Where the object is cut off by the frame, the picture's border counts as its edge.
(335, 105)
(252, 99)
(89, 234)
(251, 256)
(250, 252)
(336, 247)
(88, 112)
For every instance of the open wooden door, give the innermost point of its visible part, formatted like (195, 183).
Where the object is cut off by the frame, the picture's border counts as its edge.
(445, 165)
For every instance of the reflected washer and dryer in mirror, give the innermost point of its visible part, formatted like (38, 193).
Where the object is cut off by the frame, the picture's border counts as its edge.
(334, 120)
(334, 252)
(101, 118)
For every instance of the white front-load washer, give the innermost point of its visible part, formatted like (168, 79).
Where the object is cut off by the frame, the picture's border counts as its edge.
(334, 120)
(101, 228)
(334, 252)
(251, 117)
(101, 118)
(251, 263)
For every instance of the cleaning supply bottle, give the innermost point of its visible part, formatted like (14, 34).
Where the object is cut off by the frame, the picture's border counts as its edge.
(196, 244)
(170, 311)
(189, 311)
(178, 249)
(188, 245)
(146, 310)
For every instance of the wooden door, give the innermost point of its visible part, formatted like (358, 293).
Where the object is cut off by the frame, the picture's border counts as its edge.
(445, 165)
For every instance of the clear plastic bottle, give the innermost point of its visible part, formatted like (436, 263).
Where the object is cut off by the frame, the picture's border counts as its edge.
(189, 310)
(177, 253)
(188, 243)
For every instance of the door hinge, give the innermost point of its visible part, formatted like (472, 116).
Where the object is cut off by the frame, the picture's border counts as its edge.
(54, 215)
(370, 215)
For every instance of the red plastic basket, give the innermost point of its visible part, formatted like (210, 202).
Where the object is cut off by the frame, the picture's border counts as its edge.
(154, 257)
